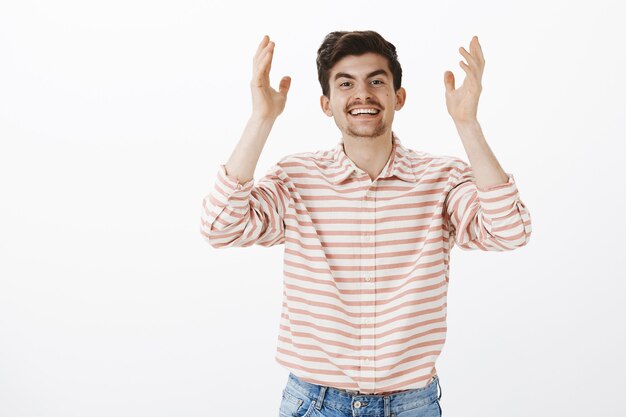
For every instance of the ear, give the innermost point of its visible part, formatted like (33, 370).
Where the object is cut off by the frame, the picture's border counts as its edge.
(400, 98)
(325, 104)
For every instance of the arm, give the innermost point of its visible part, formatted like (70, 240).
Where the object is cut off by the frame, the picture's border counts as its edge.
(267, 105)
(484, 208)
(462, 106)
(237, 212)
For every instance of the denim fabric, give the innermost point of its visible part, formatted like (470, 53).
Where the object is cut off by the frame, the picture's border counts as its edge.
(303, 399)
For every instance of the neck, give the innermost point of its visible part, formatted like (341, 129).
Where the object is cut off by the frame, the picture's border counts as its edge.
(370, 154)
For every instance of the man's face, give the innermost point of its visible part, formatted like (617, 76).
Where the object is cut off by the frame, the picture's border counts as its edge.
(362, 82)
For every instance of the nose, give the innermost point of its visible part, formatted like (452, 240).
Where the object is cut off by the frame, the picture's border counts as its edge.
(362, 92)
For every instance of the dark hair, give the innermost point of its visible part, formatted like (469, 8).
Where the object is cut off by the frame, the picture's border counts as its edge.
(337, 45)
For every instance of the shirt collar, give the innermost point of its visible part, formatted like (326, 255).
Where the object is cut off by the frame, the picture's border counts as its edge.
(399, 164)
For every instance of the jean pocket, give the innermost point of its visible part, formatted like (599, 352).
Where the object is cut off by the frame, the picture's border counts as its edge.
(425, 410)
(295, 405)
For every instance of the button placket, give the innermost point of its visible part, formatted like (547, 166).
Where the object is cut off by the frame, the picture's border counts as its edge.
(368, 287)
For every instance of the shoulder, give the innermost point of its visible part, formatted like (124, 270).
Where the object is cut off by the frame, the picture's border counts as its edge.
(437, 162)
(320, 159)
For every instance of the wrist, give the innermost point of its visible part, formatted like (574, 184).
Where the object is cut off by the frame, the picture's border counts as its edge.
(262, 118)
(469, 131)
(466, 123)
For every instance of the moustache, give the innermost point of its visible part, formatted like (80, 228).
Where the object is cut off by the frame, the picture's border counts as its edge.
(371, 103)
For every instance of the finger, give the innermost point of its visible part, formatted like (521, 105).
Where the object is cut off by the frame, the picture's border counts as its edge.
(467, 69)
(264, 51)
(470, 59)
(260, 66)
(269, 48)
(262, 74)
(262, 45)
(284, 85)
(448, 80)
(266, 62)
(478, 50)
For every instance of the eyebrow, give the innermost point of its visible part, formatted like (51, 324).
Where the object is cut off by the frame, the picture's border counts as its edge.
(371, 74)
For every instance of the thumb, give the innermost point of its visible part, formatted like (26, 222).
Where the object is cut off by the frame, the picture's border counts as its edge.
(448, 80)
(284, 85)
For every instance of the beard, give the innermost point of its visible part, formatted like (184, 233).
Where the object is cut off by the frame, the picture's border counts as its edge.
(356, 128)
(366, 131)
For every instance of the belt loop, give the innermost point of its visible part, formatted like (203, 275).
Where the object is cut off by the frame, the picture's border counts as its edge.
(320, 398)
(387, 407)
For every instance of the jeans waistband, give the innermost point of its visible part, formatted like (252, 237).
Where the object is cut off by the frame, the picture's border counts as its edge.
(357, 392)
(387, 404)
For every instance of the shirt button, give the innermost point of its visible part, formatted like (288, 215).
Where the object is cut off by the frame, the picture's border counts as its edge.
(366, 320)
(366, 237)
(357, 404)
(367, 361)
(368, 278)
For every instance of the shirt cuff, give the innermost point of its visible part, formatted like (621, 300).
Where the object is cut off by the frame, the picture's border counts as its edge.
(496, 198)
(231, 181)
(500, 198)
(227, 191)
(507, 184)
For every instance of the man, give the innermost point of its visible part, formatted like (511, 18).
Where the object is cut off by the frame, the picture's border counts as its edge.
(367, 227)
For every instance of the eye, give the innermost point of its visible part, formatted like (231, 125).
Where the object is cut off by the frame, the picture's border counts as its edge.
(377, 81)
(342, 84)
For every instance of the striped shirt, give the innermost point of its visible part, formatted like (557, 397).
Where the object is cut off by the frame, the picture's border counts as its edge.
(365, 262)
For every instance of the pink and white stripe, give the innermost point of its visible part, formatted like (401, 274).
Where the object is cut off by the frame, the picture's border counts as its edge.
(366, 262)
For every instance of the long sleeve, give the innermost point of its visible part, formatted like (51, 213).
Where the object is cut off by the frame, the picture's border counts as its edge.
(490, 219)
(235, 214)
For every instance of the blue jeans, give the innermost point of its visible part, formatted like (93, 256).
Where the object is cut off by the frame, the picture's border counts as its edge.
(303, 399)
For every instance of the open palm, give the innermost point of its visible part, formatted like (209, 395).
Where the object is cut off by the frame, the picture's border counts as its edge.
(266, 101)
(462, 102)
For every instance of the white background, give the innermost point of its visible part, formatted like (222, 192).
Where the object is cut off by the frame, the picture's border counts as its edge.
(114, 117)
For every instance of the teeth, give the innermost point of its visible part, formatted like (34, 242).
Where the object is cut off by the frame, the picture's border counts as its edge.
(361, 111)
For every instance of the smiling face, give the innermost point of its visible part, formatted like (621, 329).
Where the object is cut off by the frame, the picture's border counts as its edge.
(362, 99)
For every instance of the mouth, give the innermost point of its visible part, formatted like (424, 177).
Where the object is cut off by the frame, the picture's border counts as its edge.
(364, 113)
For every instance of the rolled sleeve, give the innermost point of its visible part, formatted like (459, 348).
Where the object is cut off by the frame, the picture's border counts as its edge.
(235, 214)
(489, 218)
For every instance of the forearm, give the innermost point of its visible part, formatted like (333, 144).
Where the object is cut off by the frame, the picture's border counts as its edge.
(243, 160)
(486, 168)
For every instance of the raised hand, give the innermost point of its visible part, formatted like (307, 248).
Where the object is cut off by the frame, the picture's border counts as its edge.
(266, 101)
(462, 102)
